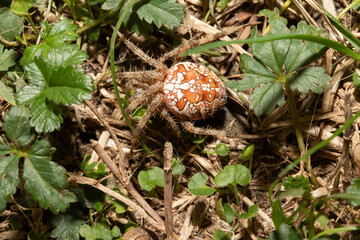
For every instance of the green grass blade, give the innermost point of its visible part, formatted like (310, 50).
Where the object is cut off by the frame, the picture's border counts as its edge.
(344, 31)
(113, 74)
(324, 41)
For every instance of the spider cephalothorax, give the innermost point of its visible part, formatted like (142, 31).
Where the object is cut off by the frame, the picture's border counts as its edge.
(192, 91)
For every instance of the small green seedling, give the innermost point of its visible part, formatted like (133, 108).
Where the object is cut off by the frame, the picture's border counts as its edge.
(354, 189)
(119, 206)
(101, 230)
(285, 232)
(197, 185)
(220, 235)
(232, 176)
(93, 170)
(253, 210)
(222, 149)
(151, 178)
(177, 167)
(225, 212)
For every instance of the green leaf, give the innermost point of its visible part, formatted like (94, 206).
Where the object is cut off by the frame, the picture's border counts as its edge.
(225, 212)
(7, 58)
(45, 115)
(67, 225)
(161, 12)
(253, 210)
(4, 149)
(45, 179)
(220, 235)
(354, 189)
(54, 80)
(197, 185)
(297, 182)
(233, 174)
(314, 79)
(11, 25)
(17, 125)
(222, 149)
(100, 231)
(61, 32)
(248, 152)
(7, 93)
(111, 5)
(356, 80)
(285, 232)
(9, 179)
(55, 38)
(151, 178)
(21, 7)
(177, 167)
(278, 215)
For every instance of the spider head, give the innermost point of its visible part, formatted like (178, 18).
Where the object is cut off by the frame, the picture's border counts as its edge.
(192, 91)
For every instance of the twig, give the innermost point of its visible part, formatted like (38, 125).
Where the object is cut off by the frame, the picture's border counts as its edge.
(168, 155)
(96, 184)
(124, 179)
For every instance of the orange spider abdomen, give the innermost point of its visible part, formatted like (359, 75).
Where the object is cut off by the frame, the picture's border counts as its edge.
(192, 91)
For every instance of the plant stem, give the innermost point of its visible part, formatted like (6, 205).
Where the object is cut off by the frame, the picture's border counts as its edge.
(236, 195)
(298, 130)
(32, 25)
(94, 23)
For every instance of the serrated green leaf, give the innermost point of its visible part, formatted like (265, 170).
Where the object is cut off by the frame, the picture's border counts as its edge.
(11, 25)
(21, 7)
(66, 55)
(151, 178)
(28, 94)
(45, 115)
(256, 74)
(9, 179)
(161, 12)
(61, 32)
(197, 185)
(7, 58)
(17, 125)
(45, 179)
(233, 174)
(32, 52)
(314, 79)
(38, 71)
(266, 98)
(7, 93)
(133, 22)
(63, 91)
(4, 149)
(67, 225)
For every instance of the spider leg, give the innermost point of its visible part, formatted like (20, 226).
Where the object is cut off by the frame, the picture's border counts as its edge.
(144, 96)
(145, 76)
(189, 126)
(150, 111)
(137, 51)
(165, 113)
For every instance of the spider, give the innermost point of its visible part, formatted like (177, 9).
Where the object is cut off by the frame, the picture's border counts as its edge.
(187, 90)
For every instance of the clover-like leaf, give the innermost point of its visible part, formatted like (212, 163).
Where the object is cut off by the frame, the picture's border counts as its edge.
(253, 210)
(225, 212)
(7, 58)
(278, 62)
(67, 225)
(197, 185)
(161, 12)
(100, 231)
(233, 174)
(45, 179)
(220, 235)
(11, 25)
(151, 178)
